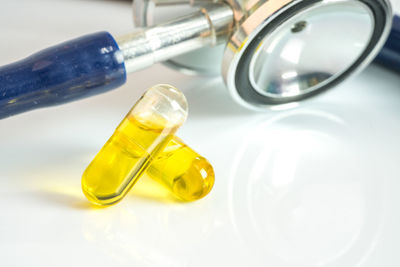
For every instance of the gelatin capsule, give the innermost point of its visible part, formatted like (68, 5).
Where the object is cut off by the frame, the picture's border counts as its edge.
(183, 171)
(140, 137)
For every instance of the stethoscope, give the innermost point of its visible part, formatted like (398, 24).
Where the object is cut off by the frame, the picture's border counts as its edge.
(273, 52)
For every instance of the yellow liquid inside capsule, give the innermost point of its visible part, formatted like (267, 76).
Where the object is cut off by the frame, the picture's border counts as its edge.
(123, 159)
(183, 171)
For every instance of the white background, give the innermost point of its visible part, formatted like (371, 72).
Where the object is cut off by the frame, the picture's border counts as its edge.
(314, 186)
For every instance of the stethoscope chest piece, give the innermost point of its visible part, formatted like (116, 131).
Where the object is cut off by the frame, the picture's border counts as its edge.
(281, 51)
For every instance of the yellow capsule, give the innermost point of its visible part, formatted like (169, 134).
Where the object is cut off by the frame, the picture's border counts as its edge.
(141, 136)
(183, 171)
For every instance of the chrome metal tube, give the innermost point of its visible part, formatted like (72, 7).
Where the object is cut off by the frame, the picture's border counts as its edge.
(207, 27)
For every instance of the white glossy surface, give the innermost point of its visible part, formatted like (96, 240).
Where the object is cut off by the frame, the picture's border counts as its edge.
(314, 186)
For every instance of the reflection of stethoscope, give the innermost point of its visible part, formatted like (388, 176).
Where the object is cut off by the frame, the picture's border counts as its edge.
(277, 51)
(289, 212)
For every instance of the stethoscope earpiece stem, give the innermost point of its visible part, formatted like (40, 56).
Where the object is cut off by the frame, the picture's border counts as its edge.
(207, 27)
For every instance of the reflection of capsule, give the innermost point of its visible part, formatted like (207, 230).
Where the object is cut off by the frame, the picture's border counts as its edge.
(141, 136)
(187, 174)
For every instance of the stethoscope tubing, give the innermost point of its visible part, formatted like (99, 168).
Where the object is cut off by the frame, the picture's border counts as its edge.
(389, 56)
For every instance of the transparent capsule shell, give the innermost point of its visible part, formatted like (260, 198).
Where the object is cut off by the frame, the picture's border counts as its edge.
(141, 137)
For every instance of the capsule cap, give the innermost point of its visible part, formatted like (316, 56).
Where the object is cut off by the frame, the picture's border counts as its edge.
(162, 106)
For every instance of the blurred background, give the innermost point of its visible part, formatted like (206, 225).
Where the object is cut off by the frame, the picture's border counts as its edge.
(312, 186)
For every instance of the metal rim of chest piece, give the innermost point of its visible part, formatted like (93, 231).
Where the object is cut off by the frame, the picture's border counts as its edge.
(258, 24)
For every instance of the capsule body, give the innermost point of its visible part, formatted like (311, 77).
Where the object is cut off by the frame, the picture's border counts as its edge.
(141, 136)
(183, 171)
